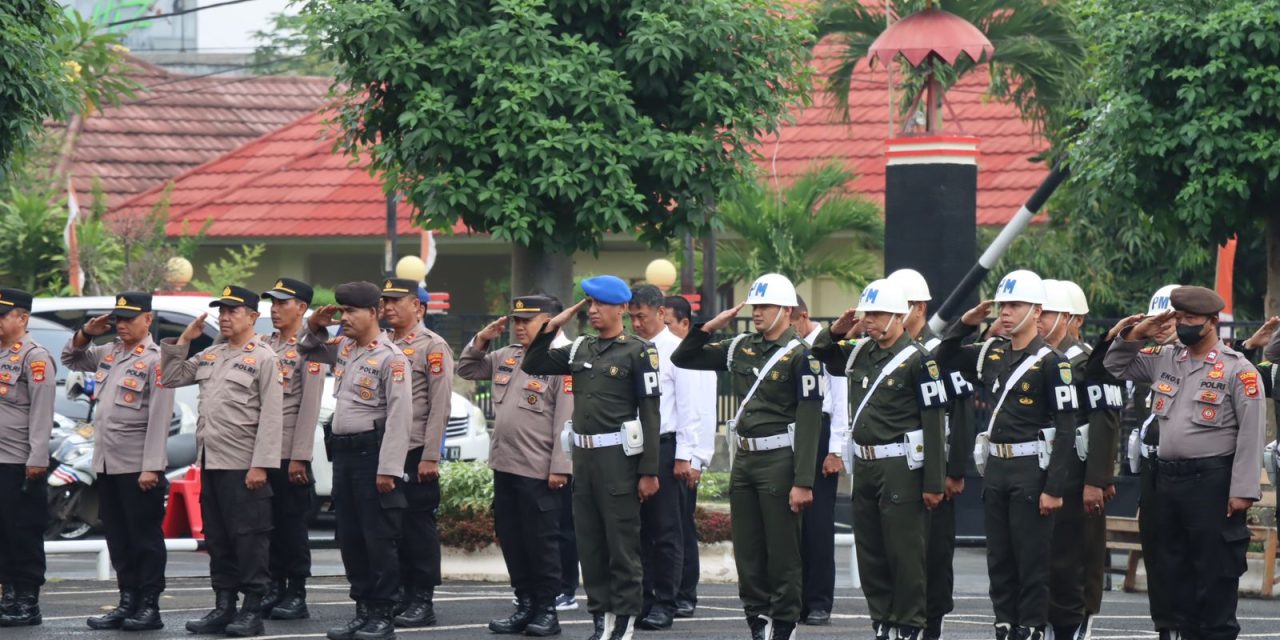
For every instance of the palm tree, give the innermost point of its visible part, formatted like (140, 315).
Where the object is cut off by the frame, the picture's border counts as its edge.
(1037, 61)
(791, 231)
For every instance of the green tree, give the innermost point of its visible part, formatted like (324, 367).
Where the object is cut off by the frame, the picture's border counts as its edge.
(1184, 130)
(1036, 65)
(811, 229)
(234, 268)
(286, 49)
(549, 123)
(52, 64)
(31, 248)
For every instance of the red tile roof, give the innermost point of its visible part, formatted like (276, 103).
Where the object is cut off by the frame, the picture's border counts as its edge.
(288, 184)
(177, 122)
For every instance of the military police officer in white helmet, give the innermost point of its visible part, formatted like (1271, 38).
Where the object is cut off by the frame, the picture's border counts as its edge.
(1023, 450)
(940, 582)
(774, 442)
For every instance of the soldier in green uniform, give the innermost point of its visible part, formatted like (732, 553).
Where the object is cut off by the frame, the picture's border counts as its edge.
(615, 455)
(899, 453)
(775, 438)
(941, 578)
(1023, 451)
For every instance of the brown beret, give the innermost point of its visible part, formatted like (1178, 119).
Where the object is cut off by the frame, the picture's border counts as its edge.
(1197, 300)
(363, 295)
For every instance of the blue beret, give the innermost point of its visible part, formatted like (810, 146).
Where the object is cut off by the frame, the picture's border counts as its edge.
(423, 296)
(607, 289)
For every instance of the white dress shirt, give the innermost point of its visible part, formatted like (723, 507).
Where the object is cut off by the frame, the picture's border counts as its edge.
(688, 404)
(835, 401)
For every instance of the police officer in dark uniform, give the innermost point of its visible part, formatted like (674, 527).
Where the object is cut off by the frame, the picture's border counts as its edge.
(131, 428)
(368, 442)
(1209, 402)
(1024, 461)
(615, 460)
(27, 388)
(292, 482)
(237, 441)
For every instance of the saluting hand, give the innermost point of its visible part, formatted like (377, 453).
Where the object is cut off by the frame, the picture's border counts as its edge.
(491, 332)
(722, 319)
(563, 318)
(323, 317)
(976, 315)
(845, 323)
(1150, 326)
(193, 330)
(1124, 323)
(1262, 336)
(97, 326)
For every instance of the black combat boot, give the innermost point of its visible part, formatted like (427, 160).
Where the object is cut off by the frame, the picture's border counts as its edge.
(659, 619)
(597, 624)
(115, 617)
(419, 613)
(25, 610)
(1005, 631)
(273, 597)
(293, 606)
(908, 633)
(517, 621)
(216, 621)
(7, 600)
(624, 628)
(400, 601)
(545, 621)
(932, 629)
(248, 621)
(783, 630)
(147, 616)
(348, 630)
(1065, 632)
(759, 626)
(1083, 632)
(380, 626)
(883, 630)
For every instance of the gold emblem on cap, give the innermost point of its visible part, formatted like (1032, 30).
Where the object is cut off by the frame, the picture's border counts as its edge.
(121, 302)
(519, 304)
(279, 284)
(387, 285)
(226, 291)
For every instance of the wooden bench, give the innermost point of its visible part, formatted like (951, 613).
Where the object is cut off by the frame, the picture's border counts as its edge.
(1123, 535)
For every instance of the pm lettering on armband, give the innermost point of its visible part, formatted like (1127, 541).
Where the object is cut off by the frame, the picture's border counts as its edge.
(810, 386)
(1066, 398)
(960, 386)
(1104, 396)
(933, 394)
(649, 380)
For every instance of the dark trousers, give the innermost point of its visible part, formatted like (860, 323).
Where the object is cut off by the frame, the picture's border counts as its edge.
(1158, 587)
(766, 534)
(526, 515)
(940, 555)
(368, 526)
(568, 544)
(661, 536)
(24, 513)
(237, 530)
(420, 546)
(818, 528)
(606, 513)
(1067, 554)
(133, 520)
(692, 569)
(290, 508)
(1203, 552)
(890, 533)
(1017, 541)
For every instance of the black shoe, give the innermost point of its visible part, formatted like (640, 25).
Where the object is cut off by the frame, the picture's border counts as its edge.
(293, 604)
(623, 628)
(216, 621)
(379, 626)
(115, 617)
(684, 609)
(659, 619)
(517, 621)
(933, 629)
(545, 622)
(401, 600)
(419, 613)
(817, 618)
(908, 633)
(25, 610)
(759, 626)
(248, 621)
(147, 616)
(783, 630)
(1030, 633)
(1005, 631)
(273, 597)
(597, 625)
(1065, 632)
(348, 630)
(1083, 631)
(883, 630)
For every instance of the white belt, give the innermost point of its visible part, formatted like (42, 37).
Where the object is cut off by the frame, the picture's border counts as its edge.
(1019, 450)
(1148, 450)
(767, 443)
(879, 451)
(597, 441)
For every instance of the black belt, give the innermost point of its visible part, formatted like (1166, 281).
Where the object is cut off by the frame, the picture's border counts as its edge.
(355, 441)
(1193, 465)
(667, 437)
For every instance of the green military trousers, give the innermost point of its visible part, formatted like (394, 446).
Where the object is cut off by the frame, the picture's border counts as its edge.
(766, 534)
(890, 533)
(940, 565)
(1067, 553)
(606, 519)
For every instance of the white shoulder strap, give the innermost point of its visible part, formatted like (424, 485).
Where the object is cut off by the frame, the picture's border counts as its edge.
(764, 371)
(1013, 379)
(932, 344)
(982, 355)
(853, 355)
(573, 350)
(896, 362)
(1074, 351)
(733, 346)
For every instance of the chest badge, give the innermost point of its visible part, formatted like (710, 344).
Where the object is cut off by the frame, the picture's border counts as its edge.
(773, 375)
(1025, 401)
(1215, 375)
(366, 394)
(1159, 405)
(130, 396)
(408, 351)
(140, 365)
(531, 399)
(502, 378)
(1209, 413)
(613, 371)
(1026, 386)
(1164, 387)
(250, 360)
(509, 362)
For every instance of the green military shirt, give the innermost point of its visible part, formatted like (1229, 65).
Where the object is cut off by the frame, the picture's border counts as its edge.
(960, 411)
(1045, 396)
(910, 398)
(790, 393)
(1103, 398)
(614, 380)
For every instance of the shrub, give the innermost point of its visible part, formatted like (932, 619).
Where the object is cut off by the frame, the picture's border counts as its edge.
(465, 517)
(471, 532)
(713, 486)
(712, 525)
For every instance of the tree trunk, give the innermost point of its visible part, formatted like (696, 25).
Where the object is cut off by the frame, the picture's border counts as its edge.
(536, 271)
(710, 300)
(1272, 302)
